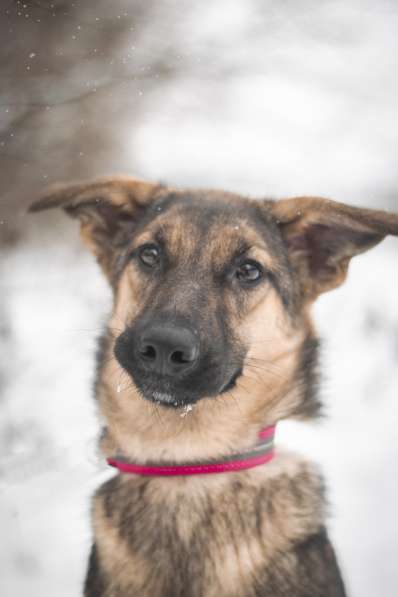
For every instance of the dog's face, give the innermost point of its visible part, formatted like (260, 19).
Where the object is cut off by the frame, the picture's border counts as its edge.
(198, 277)
(212, 292)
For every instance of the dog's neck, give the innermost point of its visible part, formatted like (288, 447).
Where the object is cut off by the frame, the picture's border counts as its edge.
(260, 454)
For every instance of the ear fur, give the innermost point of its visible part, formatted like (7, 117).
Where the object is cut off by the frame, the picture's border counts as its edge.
(322, 236)
(107, 209)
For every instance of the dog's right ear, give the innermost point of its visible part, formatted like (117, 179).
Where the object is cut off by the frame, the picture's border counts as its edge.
(107, 209)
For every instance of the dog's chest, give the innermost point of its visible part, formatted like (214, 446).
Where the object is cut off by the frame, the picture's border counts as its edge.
(200, 540)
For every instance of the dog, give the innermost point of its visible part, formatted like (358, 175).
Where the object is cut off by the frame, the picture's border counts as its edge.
(210, 343)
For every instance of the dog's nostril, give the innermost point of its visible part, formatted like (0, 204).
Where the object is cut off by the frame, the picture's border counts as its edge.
(167, 349)
(148, 352)
(179, 358)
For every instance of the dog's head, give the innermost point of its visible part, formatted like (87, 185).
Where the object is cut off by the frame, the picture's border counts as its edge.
(212, 292)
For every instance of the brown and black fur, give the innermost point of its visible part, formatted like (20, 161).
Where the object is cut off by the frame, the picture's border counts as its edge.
(257, 533)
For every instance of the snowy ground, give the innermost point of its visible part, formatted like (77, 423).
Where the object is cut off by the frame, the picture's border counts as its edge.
(272, 99)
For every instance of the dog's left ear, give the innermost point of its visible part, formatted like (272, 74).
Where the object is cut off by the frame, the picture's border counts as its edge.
(107, 209)
(322, 236)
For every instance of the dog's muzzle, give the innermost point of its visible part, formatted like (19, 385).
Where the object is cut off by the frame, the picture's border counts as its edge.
(169, 364)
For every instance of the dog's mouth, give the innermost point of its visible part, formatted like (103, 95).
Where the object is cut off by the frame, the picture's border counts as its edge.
(169, 397)
(232, 382)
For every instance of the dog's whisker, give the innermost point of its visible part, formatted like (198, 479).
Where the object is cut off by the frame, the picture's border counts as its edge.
(236, 401)
(265, 370)
(156, 413)
(273, 363)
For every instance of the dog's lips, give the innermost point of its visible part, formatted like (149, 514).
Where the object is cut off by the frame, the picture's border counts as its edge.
(232, 382)
(168, 399)
(166, 395)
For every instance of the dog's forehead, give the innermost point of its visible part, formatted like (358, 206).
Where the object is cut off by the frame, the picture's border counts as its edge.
(220, 222)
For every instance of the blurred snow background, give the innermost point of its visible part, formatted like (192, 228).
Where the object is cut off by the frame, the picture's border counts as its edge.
(266, 98)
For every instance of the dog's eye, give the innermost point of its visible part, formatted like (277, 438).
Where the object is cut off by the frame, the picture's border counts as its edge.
(149, 255)
(249, 272)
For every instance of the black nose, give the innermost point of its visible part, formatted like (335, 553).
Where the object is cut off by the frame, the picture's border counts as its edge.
(168, 349)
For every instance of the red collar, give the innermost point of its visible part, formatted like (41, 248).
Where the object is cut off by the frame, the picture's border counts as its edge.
(262, 453)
